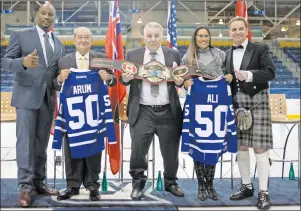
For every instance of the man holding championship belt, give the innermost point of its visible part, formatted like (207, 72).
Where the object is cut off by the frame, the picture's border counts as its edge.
(154, 109)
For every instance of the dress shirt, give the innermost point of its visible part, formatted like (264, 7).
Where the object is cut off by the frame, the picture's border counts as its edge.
(238, 55)
(41, 36)
(78, 57)
(145, 96)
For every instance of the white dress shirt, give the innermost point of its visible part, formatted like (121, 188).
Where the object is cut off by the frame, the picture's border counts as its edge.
(41, 36)
(78, 59)
(238, 55)
(146, 97)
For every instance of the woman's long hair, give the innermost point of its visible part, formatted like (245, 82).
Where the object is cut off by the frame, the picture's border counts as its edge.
(193, 47)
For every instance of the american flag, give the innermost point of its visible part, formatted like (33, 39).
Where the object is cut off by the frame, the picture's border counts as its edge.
(114, 50)
(172, 25)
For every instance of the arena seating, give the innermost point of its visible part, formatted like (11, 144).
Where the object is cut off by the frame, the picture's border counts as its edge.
(294, 53)
(285, 81)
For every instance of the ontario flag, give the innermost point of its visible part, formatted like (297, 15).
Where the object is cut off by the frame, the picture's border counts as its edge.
(242, 11)
(114, 50)
(172, 25)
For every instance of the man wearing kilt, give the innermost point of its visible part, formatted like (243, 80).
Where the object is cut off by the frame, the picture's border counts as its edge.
(252, 69)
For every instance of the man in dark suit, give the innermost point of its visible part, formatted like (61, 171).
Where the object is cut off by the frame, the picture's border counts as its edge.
(154, 109)
(85, 170)
(33, 55)
(252, 69)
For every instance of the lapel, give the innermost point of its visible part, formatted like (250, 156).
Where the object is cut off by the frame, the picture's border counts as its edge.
(37, 43)
(140, 58)
(168, 61)
(168, 57)
(73, 60)
(228, 61)
(247, 57)
(91, 56)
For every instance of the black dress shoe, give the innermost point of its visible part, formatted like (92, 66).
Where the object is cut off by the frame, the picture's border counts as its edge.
(243, 193)
(45, 190)
(136, 194)
(67, 194)
(94, 195)
(175, 190)
(264, 202)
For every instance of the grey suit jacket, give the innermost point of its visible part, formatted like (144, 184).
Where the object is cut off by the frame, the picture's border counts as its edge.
(31, 83)
(137, 57)
(69, 61)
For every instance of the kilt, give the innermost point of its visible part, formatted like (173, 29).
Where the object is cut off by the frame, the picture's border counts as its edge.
(260, 134)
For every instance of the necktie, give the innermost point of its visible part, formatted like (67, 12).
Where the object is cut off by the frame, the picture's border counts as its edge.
(236, 47)
(83, 63)
(48, 48)
(154, 87)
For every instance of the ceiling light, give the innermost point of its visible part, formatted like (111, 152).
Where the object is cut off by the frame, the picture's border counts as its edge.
(220, 21)
(283, 29)
(220, 34)
(298, 23)
(139, 20)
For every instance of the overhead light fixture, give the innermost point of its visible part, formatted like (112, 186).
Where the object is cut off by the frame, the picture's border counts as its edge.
(283, 29)
(139, 20)
(220, 34)
(298, 23)
(221, 21)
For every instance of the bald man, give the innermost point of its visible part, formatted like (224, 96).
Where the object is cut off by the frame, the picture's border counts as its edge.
(33, 55)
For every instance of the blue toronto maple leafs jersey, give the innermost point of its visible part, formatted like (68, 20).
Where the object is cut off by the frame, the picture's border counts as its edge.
(85, 114)
(209, 126)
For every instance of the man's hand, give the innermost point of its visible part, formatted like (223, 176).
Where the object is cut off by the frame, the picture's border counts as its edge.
(241, 75)
(178, 80)
(127, 76)
(104, 75)
(188, 83)
(229, 78)
(31, 60)
(63, 75)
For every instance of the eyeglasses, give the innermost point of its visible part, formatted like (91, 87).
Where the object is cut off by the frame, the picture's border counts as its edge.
(202, 36)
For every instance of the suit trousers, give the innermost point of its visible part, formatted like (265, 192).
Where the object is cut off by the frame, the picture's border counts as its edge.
(150, 121)
(33, 132)
(82, 170)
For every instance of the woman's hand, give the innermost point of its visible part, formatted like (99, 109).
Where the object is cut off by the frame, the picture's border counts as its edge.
(188, 83)
(228, 77)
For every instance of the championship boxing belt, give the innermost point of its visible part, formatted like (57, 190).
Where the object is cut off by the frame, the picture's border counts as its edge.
(153, 72)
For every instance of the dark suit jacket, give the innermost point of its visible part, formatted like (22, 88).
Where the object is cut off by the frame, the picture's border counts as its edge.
(137, 57)
(69, 61)
(256, 60)
(31, 83)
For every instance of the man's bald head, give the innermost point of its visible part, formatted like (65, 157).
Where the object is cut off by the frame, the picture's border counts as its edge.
(45, 16)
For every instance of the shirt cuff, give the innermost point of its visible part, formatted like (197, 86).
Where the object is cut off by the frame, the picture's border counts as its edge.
(250, 76)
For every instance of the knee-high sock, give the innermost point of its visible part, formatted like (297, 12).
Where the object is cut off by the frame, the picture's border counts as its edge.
(243, 160)
(263, 166)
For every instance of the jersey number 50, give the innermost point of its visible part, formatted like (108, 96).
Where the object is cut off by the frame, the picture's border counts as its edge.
(93, 122)
(218, 122)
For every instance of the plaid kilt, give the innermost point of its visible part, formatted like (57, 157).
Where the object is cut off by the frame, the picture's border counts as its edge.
(260, 134)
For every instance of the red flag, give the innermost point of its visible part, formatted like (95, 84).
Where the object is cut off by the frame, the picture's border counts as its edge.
(241, 11)
(114, 50)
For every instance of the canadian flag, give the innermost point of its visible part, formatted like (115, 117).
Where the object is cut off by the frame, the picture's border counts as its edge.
(241, 11)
